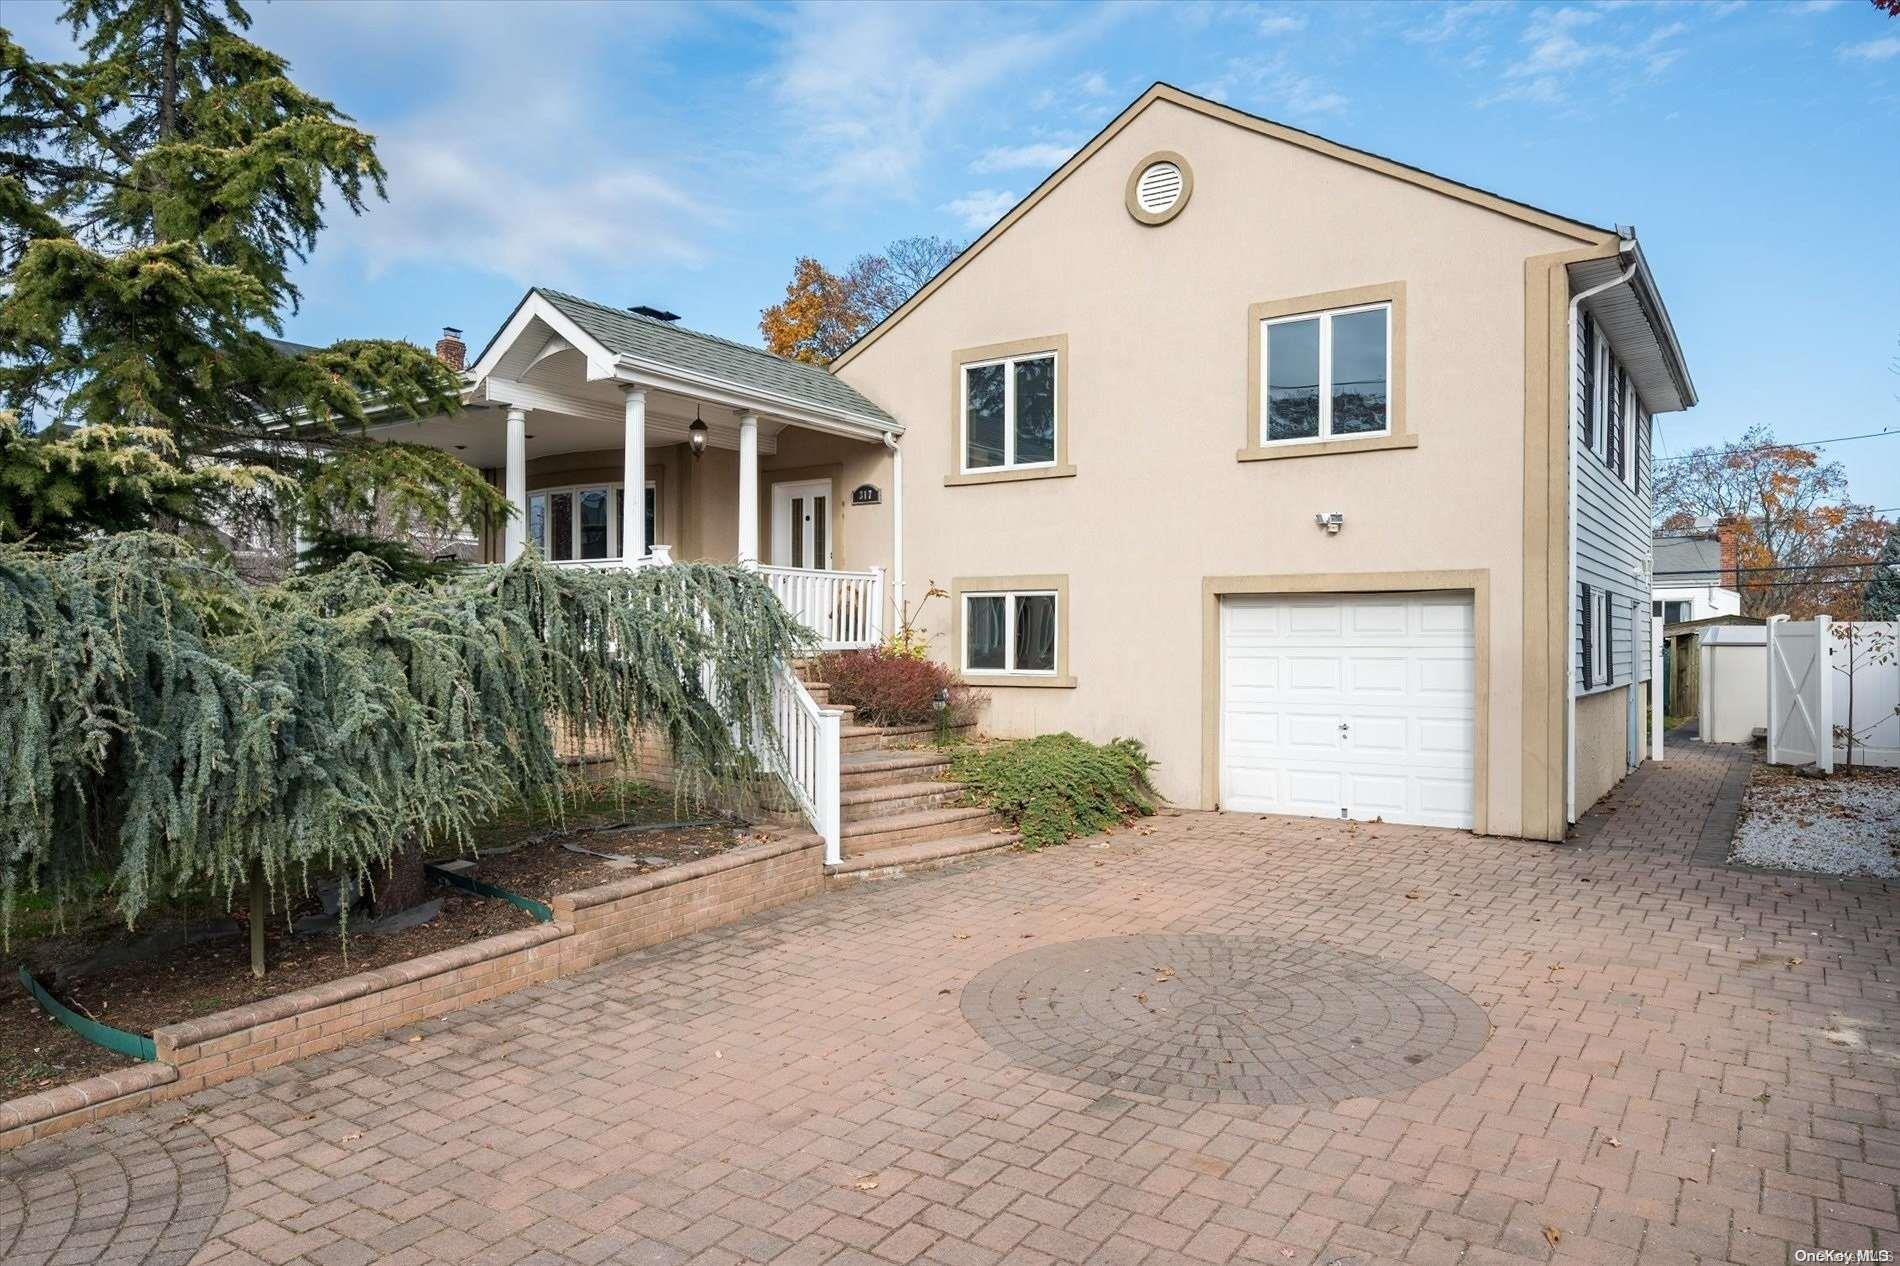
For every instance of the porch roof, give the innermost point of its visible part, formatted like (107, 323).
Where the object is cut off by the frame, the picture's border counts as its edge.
(665, 344)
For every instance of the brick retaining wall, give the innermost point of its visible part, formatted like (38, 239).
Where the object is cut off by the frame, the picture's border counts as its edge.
(590, 927)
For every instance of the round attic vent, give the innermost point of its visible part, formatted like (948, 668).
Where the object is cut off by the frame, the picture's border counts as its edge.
(1159, 187)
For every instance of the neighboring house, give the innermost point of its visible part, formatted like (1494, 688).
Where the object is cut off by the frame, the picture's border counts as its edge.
(1256, 447)
(1694, 572)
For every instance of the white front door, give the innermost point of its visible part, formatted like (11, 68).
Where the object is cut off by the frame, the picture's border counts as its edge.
(801, 524)
(1348, 706)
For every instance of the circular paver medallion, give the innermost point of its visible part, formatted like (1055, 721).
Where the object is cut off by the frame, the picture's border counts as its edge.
(137, 1191)
(1224, 1019)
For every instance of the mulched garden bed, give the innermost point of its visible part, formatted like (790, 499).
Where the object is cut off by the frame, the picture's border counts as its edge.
(181, 981)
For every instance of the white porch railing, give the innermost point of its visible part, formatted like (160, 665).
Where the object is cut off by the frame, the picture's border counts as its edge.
(844, 608)
(808, 756)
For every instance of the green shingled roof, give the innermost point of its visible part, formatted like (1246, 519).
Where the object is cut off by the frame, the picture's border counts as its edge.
(665, 343)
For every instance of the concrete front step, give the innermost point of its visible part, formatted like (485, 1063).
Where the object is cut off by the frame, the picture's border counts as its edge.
(873, 738)
(903, 859)
(880, 768)
(887, 800)
(870, 835)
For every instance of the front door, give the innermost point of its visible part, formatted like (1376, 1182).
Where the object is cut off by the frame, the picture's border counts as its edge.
(801, 524)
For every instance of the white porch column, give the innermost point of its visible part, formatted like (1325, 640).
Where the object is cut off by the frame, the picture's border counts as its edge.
(634, 473)
(515, 483)
(749, 488)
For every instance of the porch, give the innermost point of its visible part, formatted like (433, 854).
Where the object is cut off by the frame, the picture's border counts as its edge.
(741, 456)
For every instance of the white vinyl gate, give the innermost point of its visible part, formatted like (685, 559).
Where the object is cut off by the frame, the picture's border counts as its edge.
(1800, 693)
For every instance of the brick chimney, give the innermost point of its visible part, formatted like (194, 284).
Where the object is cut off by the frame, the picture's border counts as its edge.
(451, 350)
(1729, 577)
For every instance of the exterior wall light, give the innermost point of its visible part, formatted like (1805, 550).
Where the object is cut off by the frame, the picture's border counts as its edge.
(1330, 523)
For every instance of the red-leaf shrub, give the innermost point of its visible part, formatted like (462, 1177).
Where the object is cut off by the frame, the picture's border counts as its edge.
(888, 689)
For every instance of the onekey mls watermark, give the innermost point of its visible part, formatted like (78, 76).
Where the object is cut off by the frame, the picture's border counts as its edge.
(1843, 1256)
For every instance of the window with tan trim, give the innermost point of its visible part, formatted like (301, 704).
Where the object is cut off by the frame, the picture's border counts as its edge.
(1326, 374)
(1009, 404)
(1011, 630)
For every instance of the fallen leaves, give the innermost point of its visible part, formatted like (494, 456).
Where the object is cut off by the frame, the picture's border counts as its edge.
(1552, 1236)
(866, 1183)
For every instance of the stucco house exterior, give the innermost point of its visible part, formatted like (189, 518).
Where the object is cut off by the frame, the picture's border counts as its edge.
(1326, 477)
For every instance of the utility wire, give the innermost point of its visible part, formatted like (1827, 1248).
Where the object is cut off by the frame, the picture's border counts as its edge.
(1763, 448)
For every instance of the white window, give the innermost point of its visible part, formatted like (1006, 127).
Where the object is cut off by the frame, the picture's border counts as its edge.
(584, 522)
(1010, 633)
(1009, 412)
(1326, 374)
(1675, 612)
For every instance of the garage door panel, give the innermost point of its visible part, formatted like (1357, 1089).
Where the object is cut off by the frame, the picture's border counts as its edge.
(1308, 619)
(1308, 734)
(1397, 670)
(1385, 621)
(1371, 675)
(1312, 674)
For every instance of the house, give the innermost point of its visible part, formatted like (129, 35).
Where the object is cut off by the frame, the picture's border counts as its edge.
(1695, 576)
(1325, 476)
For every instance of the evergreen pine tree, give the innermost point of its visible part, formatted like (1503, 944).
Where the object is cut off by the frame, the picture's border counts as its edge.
(1881, 599)
(155, 195)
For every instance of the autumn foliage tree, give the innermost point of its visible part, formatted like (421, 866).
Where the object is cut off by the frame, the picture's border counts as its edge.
(1801, 547)
(824, 312)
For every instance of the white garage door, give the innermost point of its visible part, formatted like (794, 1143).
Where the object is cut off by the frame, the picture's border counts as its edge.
(1348, 705)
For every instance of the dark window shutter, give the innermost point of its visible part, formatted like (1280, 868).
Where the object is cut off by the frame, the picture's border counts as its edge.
(1589, 377)
(1645, 448)
(1588, 646)
(1609, 642)
(1613, 420)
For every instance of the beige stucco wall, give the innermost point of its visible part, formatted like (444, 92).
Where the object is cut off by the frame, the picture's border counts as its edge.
(1157, 325)
(1602, 744)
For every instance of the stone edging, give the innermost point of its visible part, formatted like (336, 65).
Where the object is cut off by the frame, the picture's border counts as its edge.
(590, 927)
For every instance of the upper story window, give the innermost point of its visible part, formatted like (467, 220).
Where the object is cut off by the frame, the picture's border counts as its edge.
(1326, 374)
(1009, 412)
(1612, 413)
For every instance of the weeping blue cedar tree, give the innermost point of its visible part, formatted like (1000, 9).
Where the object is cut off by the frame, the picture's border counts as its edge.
(177, 727)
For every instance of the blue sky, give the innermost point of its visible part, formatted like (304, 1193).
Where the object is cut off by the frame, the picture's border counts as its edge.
(683, 156)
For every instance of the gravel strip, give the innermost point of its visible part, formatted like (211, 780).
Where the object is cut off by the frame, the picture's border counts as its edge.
(1833, 826)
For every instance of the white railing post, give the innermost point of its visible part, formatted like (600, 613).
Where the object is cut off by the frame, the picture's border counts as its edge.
(1657, 703)
(1774, 703)
(830, 759)
(875, 616)
(1824, 693)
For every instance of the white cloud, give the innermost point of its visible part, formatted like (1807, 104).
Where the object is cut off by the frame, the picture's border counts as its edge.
(1560, 44)
(1880, 50)
(1281, 23)
(1036, 156)
(1275, 86)
(522, 174)
(868, 90)
(1451, 20)
(981, 208)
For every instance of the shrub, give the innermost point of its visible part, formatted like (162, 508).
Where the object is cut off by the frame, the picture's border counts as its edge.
(890, 687)
(1057, 786)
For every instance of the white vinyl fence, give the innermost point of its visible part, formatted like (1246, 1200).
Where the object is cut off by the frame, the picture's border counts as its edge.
(1832, 687)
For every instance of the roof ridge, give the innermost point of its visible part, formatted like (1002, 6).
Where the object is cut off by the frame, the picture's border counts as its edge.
(631, 315)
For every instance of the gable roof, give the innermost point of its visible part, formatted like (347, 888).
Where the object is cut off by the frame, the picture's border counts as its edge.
(1582, 231)
(626, 333)
(1686, 561)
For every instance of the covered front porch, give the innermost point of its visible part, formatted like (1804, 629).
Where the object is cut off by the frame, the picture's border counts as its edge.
(740, 455)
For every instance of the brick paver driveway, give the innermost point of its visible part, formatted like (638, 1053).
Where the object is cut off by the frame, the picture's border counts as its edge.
(1683, 1062)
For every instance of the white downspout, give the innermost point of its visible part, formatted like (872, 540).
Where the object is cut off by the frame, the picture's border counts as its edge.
(1570, 514)
(897, 532)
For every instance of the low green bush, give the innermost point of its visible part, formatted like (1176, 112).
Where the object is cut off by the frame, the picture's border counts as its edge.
(1057, 786)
